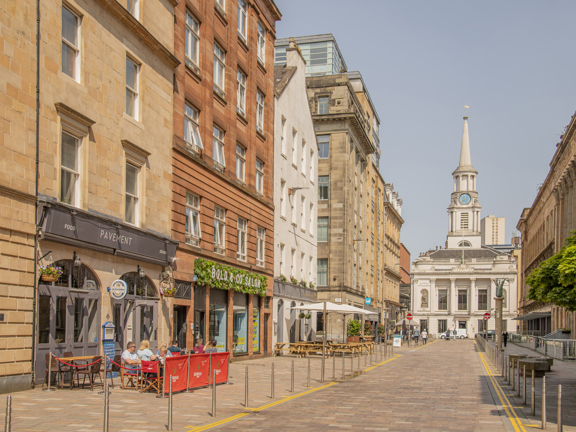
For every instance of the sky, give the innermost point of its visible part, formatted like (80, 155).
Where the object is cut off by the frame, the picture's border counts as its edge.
(512, 62)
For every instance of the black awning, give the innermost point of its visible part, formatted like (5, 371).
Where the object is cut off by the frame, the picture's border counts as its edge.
(532, 316)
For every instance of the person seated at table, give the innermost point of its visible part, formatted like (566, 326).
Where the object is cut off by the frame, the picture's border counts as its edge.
(165, 347)
(174, 348)
(199, 347)
(212, 348)
(163, 353)
(144, 352)
(131, 360)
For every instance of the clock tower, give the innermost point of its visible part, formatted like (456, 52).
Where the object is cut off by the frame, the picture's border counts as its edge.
(464, 209)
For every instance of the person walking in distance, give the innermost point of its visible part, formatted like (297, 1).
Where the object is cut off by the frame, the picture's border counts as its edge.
(505, 337)
(424, 336)
(416, 334)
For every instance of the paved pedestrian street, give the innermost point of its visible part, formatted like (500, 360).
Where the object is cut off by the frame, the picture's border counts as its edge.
(444, 386)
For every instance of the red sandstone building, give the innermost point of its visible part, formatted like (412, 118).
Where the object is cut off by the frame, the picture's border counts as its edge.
(222, 203)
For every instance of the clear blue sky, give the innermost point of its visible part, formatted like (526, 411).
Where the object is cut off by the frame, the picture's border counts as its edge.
(512, 62)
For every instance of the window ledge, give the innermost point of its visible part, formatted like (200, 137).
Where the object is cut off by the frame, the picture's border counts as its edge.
(283, 218)
(241, 117)
(133, 120)
(261, 65)
(243, 42)
(284, 156)
(260, 135)
(303, 175)
(294, 166)
(193, 68)
(220, 95)
(221, 12)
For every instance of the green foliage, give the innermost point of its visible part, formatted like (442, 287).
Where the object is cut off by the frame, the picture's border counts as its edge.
(368, 328)
(301, 315)
(303, 283)
(381, 329)
(293, 280)
(312, 285)
(554, 281)
(353, 327)
(283, 278)
(230, 278)
(308, 316)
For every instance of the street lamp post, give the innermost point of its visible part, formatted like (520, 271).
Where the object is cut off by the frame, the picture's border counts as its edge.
(499, 299)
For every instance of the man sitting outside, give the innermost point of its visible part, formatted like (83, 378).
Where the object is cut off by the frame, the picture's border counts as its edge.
(174, 348)
(130, 357)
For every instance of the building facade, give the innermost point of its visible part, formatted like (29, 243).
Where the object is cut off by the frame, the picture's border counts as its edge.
(223, 163)
(105, 175)
(453, 288)
(405, 278)
(354, 201)
(18, 194)
(296, 202)
(544, 227)
(493, 230)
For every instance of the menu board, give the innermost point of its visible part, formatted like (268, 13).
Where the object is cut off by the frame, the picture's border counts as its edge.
(256, 330)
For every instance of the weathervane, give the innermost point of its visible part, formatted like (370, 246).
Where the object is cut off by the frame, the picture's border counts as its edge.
(466, 108)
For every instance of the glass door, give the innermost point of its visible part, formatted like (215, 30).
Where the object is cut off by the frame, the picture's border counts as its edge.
(179, 326)
(199, 325)
(145, 323)
(84, 323)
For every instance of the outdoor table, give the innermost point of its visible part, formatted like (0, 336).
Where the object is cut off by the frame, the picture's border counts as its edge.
(71, 360)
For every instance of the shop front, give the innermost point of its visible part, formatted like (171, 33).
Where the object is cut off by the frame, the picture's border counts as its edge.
(228, 305)
(92, 253)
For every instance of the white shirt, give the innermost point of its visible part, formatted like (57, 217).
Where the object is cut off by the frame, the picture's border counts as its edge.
(127, 355)
(424, 334)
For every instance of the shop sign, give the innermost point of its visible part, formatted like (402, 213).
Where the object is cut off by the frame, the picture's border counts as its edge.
(368, 301)
(118, 289)
(255, 330)
(229, 278)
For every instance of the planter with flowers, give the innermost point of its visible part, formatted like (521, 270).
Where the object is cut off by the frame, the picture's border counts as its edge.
(50, 273)
(169, 291)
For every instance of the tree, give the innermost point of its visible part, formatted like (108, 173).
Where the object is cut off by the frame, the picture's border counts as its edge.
(554, 281)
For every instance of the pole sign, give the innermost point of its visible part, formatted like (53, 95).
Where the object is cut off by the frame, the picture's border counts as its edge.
(368, 301)
(409, 316)
(487, 315)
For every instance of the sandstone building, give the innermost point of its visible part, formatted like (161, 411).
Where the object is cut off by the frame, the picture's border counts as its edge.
(544, 226)
(223, 162)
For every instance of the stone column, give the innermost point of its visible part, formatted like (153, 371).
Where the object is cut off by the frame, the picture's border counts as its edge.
(433, 306)
(498, 316)
(473, 297)
(452, 297)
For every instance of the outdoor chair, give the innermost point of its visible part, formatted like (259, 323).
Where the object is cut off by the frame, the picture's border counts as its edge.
(130, 375)
(113, 367)
(150, 377)
(64, 369)
(54, 369)
(90, 372)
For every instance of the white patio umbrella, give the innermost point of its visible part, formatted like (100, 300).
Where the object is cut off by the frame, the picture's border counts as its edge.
(327, 307)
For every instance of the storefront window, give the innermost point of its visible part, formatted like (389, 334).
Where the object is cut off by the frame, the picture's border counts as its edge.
(92, 320)
(240, 329)
(78, 319)
(218, 326)
(44, 320)
(60, 336)
(256, 324)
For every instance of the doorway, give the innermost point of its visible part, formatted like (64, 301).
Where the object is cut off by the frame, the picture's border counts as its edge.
(266, 323)
(462, 324)
(179, 325)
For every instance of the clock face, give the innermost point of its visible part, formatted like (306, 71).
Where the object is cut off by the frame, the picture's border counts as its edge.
(464, 199)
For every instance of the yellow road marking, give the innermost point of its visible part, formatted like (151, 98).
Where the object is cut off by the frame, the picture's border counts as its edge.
(514, 420)
(273, 404)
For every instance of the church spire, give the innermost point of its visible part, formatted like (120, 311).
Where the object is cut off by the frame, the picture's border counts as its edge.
(465, 160)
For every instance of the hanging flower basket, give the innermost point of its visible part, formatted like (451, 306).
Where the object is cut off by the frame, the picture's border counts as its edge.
(301, 315)
(49, 273)
(308, 316)
(169, 293)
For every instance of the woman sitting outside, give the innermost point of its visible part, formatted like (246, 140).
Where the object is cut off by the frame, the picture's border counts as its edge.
(163, 347)
(199, 348)
(212, 348)
(144, 352)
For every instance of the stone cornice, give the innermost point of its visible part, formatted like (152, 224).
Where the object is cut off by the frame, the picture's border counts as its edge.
(24, 196)
(72, 113)
(137, 29)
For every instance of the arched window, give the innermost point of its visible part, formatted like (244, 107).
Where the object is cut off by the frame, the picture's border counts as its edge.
(465, 243)
(75, 277)
(137, 286)
(424, 298)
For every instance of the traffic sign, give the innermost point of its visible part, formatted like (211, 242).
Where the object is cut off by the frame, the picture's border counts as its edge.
(487, 315)
(409, 316)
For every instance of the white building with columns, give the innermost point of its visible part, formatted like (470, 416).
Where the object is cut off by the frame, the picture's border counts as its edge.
(455, 287)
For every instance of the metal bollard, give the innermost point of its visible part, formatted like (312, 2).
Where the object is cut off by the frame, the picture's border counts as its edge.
(8, 420)
(308, 372)
(292, 378)
(170, 405)
(106, 408)
(343, 365)
(272, 382)
(359, 368)
(333, 366)
(533, 396)
(49, 374)
(544, 402)
(559, 428)
(246, 385)
(524, 386)
(517, 378)
(366, 360)
(213, 397)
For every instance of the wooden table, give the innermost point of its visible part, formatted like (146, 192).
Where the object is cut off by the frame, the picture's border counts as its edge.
(71, 360)
(279, 347)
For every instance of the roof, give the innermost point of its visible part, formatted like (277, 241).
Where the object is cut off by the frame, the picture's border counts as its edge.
(282, 76)
(468, 254)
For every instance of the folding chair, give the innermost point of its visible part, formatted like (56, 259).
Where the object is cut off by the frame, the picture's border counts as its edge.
(150, 377)
(130, 375)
